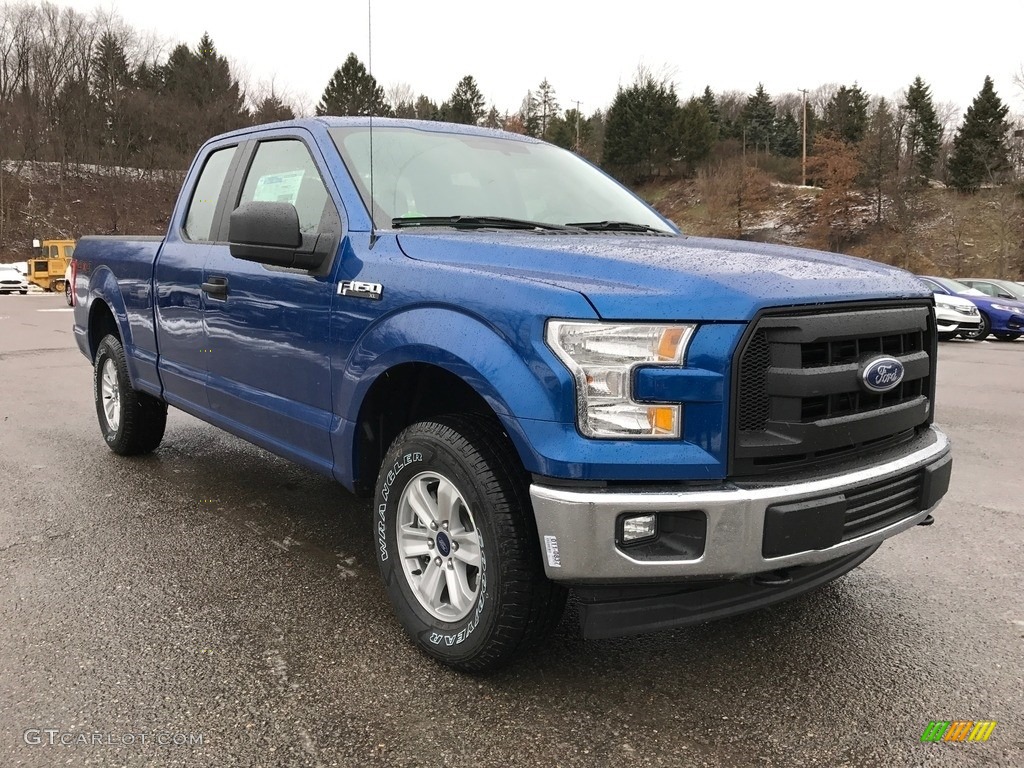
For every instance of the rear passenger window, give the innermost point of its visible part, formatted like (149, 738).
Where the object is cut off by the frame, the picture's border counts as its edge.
(199, 219)
(283, 172)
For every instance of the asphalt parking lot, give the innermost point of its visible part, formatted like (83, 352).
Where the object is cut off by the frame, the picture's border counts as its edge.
(212, 605)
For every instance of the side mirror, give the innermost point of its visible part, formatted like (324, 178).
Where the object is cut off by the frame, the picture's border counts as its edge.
(268, 233)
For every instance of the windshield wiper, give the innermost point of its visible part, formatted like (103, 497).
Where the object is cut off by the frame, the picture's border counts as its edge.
(477, 222)
(615, 226)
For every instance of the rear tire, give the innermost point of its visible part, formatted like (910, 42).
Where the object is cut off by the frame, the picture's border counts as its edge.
(465, 576)
(132, 422)
(67, 293)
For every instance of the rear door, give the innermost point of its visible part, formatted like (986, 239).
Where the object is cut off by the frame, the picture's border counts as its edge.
(178, 277)
(268, 327)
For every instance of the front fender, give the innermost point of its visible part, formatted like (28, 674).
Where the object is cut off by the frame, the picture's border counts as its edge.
(516, 379)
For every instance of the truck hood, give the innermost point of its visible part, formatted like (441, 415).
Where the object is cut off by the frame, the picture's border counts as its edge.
(630, 277)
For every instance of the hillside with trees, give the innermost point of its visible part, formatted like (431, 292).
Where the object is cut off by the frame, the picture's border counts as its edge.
(98, 123)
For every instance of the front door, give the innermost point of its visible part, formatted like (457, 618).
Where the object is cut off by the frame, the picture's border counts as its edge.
(268, 327)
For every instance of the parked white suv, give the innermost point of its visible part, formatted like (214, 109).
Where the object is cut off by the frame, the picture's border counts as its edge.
(955, 315)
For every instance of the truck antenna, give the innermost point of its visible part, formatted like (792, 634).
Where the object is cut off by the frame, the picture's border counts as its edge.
(369, 64)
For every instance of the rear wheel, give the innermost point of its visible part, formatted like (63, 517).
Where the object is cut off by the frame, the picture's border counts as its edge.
(131, 422)
(457, 545)
(1007, 336)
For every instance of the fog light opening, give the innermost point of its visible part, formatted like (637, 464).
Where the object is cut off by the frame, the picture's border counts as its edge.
(639, 528)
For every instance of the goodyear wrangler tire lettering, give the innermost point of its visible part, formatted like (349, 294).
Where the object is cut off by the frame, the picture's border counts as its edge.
(457, 545)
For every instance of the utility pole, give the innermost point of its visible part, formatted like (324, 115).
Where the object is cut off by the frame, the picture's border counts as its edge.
(803, 183)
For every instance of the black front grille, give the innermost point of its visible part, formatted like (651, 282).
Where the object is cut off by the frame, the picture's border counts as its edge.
(798, 396)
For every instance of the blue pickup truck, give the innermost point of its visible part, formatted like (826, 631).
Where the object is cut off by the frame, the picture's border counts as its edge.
(541, 383)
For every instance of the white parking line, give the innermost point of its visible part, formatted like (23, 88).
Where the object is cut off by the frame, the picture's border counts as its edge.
(61, 309)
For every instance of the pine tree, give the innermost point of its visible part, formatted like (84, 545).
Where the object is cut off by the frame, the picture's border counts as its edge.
(696, 134)
(759, 119)
(353, 91)
(642, 128)
(111, 81)
(466, 104)
(528, 115)
(846, 114)
(710, 104)
(270, 109)
(547, 106)
(425, 109)
(879, 153)
(979, 147)
(788, 139)
(923, 133)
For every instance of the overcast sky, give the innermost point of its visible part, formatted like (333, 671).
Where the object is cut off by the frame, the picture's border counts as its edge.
(587, 49)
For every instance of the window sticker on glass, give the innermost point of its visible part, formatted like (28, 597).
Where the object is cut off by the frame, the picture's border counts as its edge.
(279, 187)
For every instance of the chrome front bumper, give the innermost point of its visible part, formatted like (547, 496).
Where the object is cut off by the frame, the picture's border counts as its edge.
(577, 528)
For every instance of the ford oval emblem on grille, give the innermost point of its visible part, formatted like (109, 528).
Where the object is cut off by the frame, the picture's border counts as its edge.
(882, 374)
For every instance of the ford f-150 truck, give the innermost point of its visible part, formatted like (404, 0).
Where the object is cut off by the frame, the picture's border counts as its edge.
(541, 382)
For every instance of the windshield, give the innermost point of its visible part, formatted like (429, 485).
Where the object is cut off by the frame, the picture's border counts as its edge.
(1012, 288)
(423, 173)
(956, 286)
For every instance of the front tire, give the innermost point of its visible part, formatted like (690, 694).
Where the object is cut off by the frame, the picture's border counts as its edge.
(457, 545)
(1006, 336)
(131, 422)
(67, 293)
(983, 330)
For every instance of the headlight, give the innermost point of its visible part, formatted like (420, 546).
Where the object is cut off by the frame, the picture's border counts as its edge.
(602, 358)
(943, 302)
(1004, 308)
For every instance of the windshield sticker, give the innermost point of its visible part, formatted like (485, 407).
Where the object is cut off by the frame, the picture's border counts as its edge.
(279, 187)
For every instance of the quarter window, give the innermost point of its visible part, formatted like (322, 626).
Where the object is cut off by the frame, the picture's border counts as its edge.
(199, 219)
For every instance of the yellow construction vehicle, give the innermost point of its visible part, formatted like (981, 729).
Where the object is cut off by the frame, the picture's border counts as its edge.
(49, 263)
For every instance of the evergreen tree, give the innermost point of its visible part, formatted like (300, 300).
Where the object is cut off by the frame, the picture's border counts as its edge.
(879, 154)
(788, 138)
(979, 147)
(710, 104)
(270, 109)
(353, 91)
(111, 81)
(493, 118)
(923, 133)
(846, 114)
(425, 109)
(642, 128)
(547, 106)
(758, 119)
(528, 115)
(696, 134)
(466, 104)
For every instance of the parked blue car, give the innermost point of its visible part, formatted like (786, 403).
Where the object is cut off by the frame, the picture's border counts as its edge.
(1003, 318)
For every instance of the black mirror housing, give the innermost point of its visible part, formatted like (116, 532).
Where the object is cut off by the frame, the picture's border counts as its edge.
(268, 233)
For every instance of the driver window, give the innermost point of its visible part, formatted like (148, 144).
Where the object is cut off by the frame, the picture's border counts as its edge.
(283, 172)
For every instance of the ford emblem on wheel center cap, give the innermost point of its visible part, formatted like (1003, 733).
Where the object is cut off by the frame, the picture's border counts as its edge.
(882, 374)
(444, 545)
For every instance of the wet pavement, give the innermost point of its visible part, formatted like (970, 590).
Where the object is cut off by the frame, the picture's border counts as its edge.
(213, 605)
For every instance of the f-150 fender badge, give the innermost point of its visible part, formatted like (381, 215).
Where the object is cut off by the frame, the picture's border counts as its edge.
(361, 290)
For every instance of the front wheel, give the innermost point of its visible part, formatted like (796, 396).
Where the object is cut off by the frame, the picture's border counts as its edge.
(131, 422)
(983, 330)
(457, 545)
